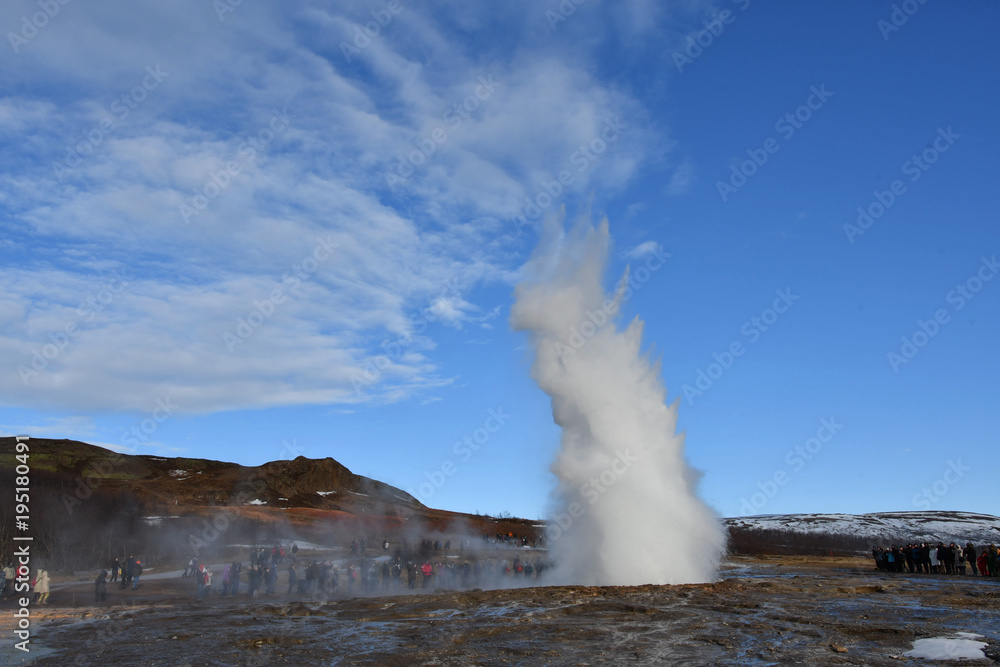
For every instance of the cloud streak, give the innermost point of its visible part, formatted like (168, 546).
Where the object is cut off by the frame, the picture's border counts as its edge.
(93, 189)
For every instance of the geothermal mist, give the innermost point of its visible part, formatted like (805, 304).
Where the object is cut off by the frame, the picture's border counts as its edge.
(626, 511)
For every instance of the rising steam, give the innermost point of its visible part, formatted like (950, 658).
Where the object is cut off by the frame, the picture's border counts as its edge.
(626, 511)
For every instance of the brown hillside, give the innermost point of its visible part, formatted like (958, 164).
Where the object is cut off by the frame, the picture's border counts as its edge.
(89, 499)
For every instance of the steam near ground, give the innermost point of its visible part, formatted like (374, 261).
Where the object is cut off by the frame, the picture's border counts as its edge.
(626, 509)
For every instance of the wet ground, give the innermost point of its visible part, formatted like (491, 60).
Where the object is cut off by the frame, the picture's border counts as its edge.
(774, 611)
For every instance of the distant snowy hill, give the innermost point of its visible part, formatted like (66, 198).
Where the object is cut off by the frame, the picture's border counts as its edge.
(881, 527)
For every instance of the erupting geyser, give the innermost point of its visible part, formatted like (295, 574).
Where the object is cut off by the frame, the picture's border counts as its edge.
(626, 511)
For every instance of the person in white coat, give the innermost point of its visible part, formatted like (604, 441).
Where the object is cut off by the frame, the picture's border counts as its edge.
(42, 586)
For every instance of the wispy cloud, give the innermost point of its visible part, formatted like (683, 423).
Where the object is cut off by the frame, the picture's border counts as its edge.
(682, 180)
(642, 250)
(204, 137)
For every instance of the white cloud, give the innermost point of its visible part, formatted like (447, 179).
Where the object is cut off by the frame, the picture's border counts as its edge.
(682, 180)
(634, 209)
(75, 427)
(393, 251)
(643, 249)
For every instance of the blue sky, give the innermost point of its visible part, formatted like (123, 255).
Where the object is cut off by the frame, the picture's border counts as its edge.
(252, 234)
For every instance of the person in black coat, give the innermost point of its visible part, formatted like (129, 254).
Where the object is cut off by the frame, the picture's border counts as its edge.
(101, 587)
(970, 557)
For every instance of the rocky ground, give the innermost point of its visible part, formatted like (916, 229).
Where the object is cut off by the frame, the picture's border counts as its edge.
(770, 611)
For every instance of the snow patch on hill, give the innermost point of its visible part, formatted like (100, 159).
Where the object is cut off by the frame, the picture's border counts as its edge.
(882, 527)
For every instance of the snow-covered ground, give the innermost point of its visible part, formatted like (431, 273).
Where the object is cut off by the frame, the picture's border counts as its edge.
(959, 646)
(882, 526)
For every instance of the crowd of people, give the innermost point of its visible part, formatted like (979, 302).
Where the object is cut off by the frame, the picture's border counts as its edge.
(425, 567)
(938, 558)
(39, 584)
(426, 564)
(429, 565)
(127, 573)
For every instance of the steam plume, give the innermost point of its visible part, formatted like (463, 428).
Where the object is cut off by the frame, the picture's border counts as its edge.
(626, 512)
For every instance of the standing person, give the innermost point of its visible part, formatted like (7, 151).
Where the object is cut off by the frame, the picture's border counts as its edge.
(42, 586)
(254, 582)
(324, 574)
(116, 566)
(226, 580)
(101, 587)
(128, 571)
(334, 578)
(366, 579)
(271, 578)
(200, 575)
(312, 577)
(428, 572)
(8, 575)
(293, 579)
(970, 557)
(136, 573)
(234, 577)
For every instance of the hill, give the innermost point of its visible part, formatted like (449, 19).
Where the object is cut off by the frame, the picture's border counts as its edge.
(88, 502)
(847, 533)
